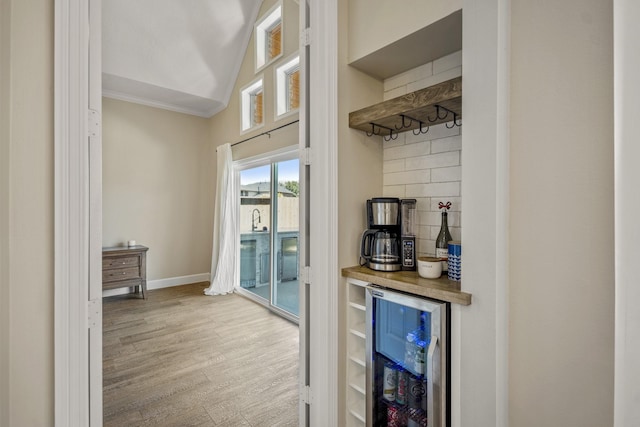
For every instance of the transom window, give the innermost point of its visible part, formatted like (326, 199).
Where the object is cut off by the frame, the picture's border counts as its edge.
(252, 105)
(268, 36)
(288, 87)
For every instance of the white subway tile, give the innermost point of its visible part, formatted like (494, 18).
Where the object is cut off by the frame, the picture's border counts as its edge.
(453, 219)
(393, 191)
(433, 190)
(435, 230)
(409, 76)
(406, 151)
(422, 204)
(435, 132)
(407, 177)
(424, 231)
(394, 93)
(430, 218)
(447, 62)
(452, 143)
(393, 166)
(421, 217)
(412, 138)
(440, 160)
(453, 173)
(434, 79)
(426, 247)
(400, 140)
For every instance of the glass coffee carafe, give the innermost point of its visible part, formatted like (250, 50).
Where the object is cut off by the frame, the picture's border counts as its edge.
(380, 249)
(385, 247)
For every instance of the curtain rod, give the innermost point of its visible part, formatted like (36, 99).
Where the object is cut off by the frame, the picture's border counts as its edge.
(265, 133)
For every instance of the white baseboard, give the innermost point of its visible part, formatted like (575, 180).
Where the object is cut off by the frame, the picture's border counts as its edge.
(162, 283)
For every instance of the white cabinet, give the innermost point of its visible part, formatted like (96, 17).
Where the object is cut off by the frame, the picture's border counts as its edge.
(356, 353)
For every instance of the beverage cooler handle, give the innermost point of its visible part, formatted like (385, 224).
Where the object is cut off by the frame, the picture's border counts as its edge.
(433, 382)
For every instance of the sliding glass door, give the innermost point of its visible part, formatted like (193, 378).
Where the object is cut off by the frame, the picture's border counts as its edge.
(269, 234)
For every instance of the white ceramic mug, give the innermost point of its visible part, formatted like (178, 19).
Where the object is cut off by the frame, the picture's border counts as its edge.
(429, 268)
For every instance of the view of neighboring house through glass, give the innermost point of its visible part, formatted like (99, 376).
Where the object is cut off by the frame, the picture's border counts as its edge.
(269, 234)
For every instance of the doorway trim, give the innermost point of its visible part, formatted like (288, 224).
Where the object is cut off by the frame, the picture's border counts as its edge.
(324, 276)
(77, 318)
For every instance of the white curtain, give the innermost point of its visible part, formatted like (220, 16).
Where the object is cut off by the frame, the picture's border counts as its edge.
(223, 260)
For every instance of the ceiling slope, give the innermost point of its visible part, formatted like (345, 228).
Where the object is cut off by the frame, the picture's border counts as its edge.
(178, 55)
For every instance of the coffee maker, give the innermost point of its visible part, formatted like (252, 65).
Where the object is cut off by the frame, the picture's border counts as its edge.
(385, 245)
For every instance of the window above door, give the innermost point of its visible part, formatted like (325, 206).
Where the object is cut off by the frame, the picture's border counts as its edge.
(288, 87)
(252, 106)
(268, 37)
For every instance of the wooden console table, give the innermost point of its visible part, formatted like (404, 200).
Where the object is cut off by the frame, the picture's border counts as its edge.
(125, 267)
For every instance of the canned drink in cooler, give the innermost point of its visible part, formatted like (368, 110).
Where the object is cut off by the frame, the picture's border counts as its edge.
(393, 416)
(401, 389)
(417, 418)
(416, 392)
(426, 394)
(390, 381)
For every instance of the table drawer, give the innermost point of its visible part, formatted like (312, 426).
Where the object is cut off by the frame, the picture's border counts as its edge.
(120, 274)
(120, 262)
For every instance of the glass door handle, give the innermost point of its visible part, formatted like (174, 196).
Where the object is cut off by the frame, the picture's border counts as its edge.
(433, 382)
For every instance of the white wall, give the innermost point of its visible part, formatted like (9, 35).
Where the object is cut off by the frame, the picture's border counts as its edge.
(158, 186)
(561, 304)
(627, 153)
(427, 167)
(359, 175)
(374, 24)
(5, 135)
(26, 322)
(479, 348)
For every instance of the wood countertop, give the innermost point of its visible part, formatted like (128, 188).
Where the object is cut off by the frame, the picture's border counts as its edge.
(408, 281)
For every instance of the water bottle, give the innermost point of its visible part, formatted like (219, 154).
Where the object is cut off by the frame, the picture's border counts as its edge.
(410, 350)
(418, 361)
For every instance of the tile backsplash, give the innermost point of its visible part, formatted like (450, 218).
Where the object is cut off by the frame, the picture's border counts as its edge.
(426, 167)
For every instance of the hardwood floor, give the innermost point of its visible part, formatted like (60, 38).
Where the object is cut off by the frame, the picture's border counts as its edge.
(184, 359)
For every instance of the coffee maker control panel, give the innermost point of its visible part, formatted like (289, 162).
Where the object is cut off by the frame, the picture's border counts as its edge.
(408, 253)
(408, 213)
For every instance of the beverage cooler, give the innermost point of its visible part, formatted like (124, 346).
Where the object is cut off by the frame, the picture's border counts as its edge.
(407, 372)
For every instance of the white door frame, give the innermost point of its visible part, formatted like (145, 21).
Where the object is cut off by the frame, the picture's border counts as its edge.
(78, 228)
(627, 210)
(322, 134)
(77, 302)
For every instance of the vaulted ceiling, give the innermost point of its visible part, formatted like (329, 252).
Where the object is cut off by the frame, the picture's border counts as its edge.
(179, 55)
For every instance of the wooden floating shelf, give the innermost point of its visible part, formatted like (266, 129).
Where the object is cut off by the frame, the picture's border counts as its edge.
(407, 111)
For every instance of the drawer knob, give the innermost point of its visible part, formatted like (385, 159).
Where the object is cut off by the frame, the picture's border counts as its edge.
(123, 263)
(124, 272)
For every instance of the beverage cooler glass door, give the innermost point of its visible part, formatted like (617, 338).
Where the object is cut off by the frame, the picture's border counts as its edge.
(407, 369)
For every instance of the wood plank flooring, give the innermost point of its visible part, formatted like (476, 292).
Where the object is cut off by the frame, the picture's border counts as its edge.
(184, 359)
